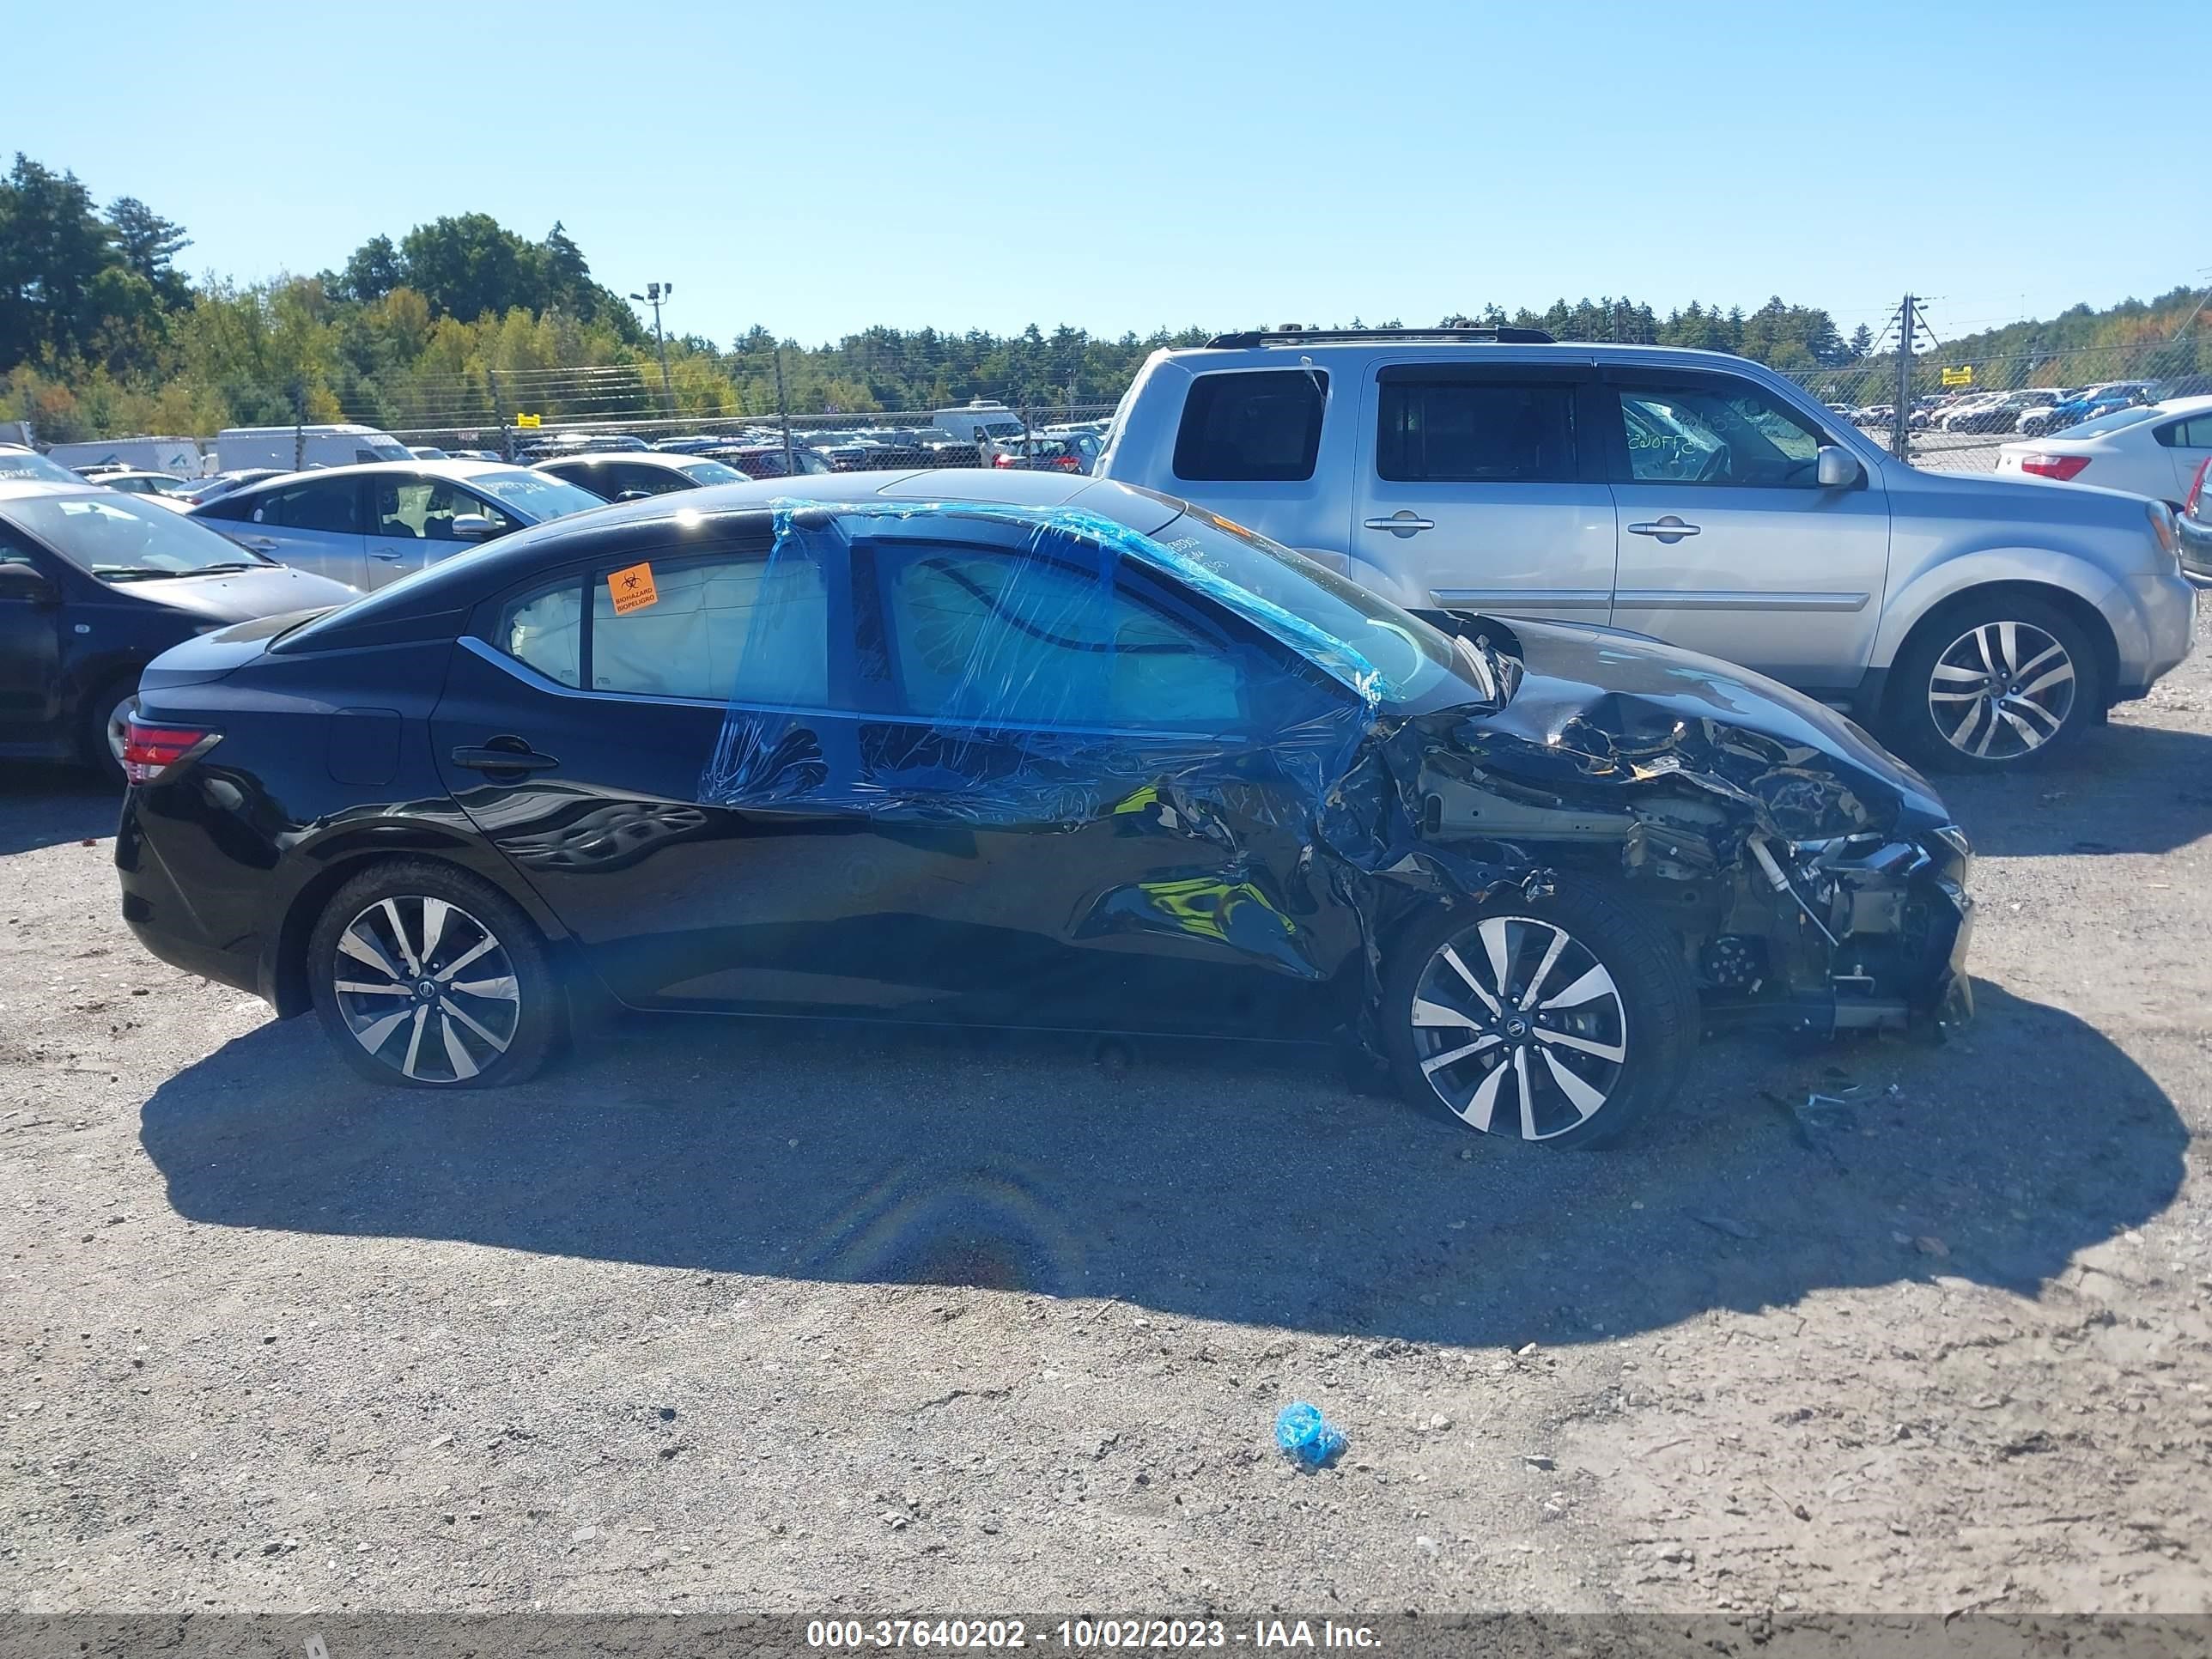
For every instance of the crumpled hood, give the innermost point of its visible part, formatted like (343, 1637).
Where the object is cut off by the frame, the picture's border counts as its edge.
(1602, 705)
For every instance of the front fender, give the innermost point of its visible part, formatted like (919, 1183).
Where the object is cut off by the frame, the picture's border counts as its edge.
(2032, 566)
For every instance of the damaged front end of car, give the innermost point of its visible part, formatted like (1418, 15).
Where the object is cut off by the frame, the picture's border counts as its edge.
(1814, 882)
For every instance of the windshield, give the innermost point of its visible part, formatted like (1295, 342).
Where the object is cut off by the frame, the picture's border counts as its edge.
(115, 538)
(1411, 658)
(29, 464)
(385, 449)
(537, 497)
(2111, 423)
(711, 472)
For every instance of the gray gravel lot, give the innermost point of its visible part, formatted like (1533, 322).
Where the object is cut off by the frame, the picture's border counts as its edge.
(719, 1317)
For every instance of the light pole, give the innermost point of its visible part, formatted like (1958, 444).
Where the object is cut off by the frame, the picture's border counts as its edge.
(654, 295)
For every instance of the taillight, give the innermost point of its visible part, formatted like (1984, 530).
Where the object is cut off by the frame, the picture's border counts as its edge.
(150, 750)
(2192, 504)
(2061, 467)
(1002, 460)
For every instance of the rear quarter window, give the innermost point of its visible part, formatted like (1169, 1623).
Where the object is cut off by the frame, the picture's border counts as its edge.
(1251, 426)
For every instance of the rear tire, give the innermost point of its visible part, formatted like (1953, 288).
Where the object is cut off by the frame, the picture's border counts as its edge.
(1557, 1021)
(428, 978)
(1992, 684)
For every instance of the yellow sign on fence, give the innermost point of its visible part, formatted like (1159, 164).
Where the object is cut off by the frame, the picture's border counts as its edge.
(532, 420)
(1963, 376)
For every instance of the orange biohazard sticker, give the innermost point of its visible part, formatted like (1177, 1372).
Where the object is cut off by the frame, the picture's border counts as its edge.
(633, 589)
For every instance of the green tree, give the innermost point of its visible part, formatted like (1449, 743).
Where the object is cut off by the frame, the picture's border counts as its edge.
(149, 244)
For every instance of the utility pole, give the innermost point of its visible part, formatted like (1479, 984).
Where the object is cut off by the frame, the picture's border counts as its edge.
(1908, 328)
(654, 295)
(783, 412)
(499, 413)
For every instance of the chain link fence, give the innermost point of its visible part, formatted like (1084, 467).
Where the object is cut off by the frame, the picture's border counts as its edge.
(1958, 409)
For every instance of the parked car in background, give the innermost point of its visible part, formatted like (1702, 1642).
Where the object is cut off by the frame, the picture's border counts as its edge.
(580, 443)
(2196, 523)
(19, 462)
(2001, 412)
(1108, 762)
(2146, 449)
(95, 585)
(1698, 498)
(294, 448)
(427, 453)
(772, 461)
(1050, 454)
(167, 485)
(978, 419)
(222, 483)
(369, 526)
(2095, 401)
(621, 477)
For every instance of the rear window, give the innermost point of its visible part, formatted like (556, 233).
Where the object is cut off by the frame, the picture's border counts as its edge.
(1254, 426)
(1474, 432)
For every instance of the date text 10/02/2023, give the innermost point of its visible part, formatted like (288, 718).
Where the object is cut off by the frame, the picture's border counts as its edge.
(1086, 1635)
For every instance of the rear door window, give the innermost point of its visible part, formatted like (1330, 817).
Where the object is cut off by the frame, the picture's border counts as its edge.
(1252, 426)
(332, 506)
(1474, 431)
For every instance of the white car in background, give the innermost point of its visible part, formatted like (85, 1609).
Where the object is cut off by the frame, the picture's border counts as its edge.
(2153, 450)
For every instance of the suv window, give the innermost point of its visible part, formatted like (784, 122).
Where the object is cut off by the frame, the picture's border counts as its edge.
(1715, 432)
(992, 638)
(1474, 431)
(333, 506)
(750, 629)
(1251, 426)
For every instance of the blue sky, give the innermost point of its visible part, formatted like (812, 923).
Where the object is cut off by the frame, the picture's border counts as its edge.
(816, 166)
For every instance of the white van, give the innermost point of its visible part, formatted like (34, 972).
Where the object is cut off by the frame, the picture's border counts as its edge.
(993, 420)
(178, 455)
(295, 448)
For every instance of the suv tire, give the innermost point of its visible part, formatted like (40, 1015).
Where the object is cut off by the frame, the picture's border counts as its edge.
(1997, 682)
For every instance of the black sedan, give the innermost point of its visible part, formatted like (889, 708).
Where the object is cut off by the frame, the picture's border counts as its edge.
(1074, 755)
(629, 478)
(93, 585)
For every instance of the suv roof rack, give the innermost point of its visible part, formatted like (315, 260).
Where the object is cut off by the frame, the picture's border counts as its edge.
(1499, 336)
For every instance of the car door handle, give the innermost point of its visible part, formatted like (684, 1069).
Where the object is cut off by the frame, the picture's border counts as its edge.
(388, 558)
(1401, 523)
(497, 756)
(259, 543)
(1669, 529)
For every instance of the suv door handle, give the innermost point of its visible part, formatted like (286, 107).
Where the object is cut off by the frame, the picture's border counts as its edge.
(503, 755)
(1401, 523)
(388, 557)
(1669, 530)
(259, 543)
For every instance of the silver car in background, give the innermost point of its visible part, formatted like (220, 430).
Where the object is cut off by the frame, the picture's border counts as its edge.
(1975, 622)
(368, 525)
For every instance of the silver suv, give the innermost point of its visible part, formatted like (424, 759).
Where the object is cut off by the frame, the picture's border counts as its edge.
(1699, 498)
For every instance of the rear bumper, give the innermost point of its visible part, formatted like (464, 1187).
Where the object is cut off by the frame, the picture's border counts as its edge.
(161, 917)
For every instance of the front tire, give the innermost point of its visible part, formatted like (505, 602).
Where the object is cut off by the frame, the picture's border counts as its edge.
(428, 978)
(1557, 1021)
(1994, 684)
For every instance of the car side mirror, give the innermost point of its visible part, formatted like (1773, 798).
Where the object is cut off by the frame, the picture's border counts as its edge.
(24, 584)
(471, 527)
(1836, 467)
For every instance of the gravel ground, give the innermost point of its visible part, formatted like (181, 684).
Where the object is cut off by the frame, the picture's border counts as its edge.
(720, 1318)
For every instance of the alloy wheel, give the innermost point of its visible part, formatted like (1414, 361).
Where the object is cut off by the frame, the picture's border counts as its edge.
(426, 988)
(2002, 690)
(1519, 1028)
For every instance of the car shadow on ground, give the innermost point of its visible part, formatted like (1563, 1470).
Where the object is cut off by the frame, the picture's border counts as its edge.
(2125, 788)
(1232, 1184)
(44, 805)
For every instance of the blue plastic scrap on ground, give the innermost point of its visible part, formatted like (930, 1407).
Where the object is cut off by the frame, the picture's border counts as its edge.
(1307, 1436)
